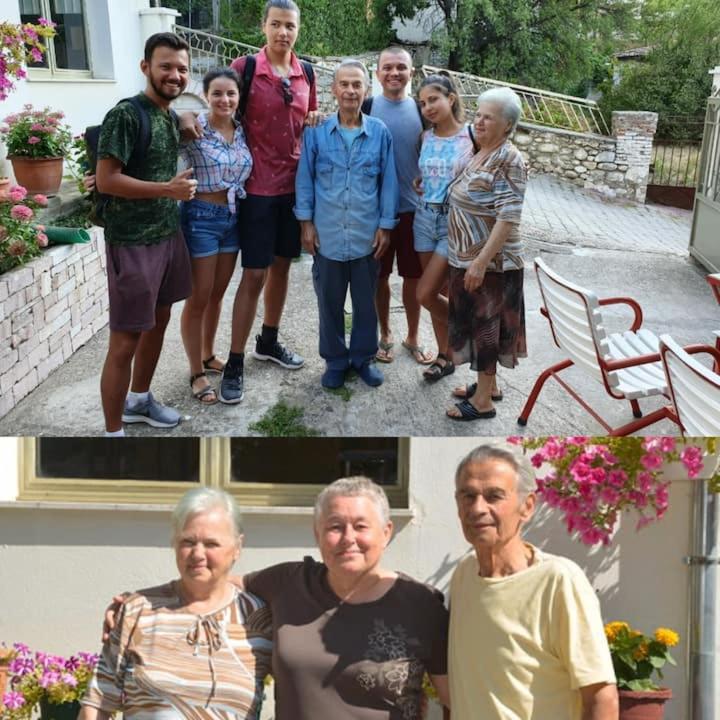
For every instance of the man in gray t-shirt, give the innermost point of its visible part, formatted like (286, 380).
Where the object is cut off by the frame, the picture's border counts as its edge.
(400, 114)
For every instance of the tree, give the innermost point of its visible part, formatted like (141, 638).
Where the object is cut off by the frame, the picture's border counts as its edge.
(561, 45)
(673, 79)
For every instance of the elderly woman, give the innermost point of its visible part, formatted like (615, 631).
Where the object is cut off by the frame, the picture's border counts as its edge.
(351, 639)
(487, 312)
(196, 647)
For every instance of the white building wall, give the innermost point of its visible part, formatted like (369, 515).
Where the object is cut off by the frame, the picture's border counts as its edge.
(117, 31)
(60, 567)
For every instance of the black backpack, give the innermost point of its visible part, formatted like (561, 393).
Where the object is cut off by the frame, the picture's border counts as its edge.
(249, 73)
(142, 143)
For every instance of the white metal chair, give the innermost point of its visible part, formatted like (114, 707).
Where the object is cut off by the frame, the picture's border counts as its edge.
(627, 364)
(694, 388)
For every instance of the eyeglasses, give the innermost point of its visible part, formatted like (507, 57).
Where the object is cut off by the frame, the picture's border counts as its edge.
(287, 93)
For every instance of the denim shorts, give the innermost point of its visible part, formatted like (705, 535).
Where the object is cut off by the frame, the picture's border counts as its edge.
(430, 229)
(209, 229)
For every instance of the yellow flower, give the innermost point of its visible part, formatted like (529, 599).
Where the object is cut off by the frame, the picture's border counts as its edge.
(640, 652)
(667, 637)
(613, 628)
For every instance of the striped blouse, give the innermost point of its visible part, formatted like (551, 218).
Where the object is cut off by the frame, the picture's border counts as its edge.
(488, 190)
(165, 663)
(218, 164)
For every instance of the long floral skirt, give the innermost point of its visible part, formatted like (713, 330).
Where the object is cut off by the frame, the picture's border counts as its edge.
(487, 326)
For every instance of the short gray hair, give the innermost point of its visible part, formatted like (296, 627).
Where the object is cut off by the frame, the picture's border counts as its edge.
(507, 99)
(357, 486)
(524, 470)
(352, 62)
(204, 499)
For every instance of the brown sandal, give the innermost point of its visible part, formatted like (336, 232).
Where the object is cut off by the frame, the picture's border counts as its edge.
(213, 369)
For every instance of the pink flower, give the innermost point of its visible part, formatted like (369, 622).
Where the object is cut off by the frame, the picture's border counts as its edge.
(13, 700)
(651, 462)
(69, 679)
(36, 55)
(33, 140)
(49, 677)
(42, 239)
(17, 248)
(691, 458)
(21, 212)
(17, 193)
(36, 126)
(40, 200)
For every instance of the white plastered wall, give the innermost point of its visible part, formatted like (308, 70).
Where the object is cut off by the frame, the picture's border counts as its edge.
(59, 568)
(116, 36)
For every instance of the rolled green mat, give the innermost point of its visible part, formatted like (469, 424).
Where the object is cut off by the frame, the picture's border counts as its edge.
(66, 236)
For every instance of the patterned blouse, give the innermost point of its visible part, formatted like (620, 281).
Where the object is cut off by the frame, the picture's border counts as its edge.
(218, 164)
(488, 190)
(165, 663)
(441, 160)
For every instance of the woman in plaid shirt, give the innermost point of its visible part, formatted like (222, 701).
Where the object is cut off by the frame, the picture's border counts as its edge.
(222, 163)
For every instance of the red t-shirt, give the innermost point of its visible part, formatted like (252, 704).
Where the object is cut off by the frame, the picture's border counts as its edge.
(272, 128)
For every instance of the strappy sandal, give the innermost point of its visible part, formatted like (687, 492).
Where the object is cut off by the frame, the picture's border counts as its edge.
(203, 392)
(437, 370)
(470, 391)
(212, 369)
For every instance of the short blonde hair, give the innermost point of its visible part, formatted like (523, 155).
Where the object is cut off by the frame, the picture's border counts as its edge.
(356, 486)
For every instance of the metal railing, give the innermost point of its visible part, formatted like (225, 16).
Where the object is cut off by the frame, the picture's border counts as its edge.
(674, 163)
(540, 107)
(208, 51)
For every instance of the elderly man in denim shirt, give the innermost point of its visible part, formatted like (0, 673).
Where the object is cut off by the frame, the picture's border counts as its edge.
(346, 199)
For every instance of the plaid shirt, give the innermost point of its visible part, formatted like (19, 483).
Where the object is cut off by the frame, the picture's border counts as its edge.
(218, 165)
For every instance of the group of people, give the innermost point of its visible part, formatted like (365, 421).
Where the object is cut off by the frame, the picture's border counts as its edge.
(267, 175)
(347, 637)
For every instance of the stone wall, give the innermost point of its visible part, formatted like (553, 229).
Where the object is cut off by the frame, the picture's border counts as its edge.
(616, 166)
(48, 309)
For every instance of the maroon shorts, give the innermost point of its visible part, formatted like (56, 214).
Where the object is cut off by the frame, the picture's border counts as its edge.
(401, 243)
(143, 277)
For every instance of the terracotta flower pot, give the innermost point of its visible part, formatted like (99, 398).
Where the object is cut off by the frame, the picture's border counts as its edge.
(3, 679)
(38, 175)
(643, 704)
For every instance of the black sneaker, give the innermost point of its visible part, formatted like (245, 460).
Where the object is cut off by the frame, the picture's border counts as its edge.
(278, 354)
(231, 385)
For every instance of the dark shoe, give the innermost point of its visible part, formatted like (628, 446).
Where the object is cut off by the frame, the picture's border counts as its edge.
(437, 370)
(370, 375)
(206, 394)
(469, 412)
(332, 378)
(470, 391)
(278, 354)
(211, 369)
(231, 386)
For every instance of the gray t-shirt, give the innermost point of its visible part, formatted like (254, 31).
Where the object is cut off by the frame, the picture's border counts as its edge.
(335, 660)
(403, 121)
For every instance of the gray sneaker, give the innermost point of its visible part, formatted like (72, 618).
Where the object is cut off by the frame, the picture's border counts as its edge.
(231, 385)
(151, 412)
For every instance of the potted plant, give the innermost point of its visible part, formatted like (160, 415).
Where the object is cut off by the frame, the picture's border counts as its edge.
(636, 658)
(37, 141)
(594, 479)
(50, 683)
(20, 240)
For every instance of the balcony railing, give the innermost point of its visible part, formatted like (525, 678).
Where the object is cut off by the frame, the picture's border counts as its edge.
(540, 107)
(208, 51)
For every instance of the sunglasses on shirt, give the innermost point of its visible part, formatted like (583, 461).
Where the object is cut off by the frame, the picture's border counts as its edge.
(287, 93)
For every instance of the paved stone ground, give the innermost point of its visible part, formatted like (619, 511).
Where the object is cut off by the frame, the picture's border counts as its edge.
(615, 249)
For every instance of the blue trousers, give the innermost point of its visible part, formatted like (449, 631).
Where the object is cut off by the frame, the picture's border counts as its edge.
(331, 279)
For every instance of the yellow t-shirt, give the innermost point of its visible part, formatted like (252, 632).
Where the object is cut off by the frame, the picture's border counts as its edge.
(521, 646)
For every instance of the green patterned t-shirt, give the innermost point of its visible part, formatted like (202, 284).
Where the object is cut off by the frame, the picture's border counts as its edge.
(141, 222)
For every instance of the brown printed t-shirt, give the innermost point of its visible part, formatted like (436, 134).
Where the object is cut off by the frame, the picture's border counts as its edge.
(149, 221)
(350, 662)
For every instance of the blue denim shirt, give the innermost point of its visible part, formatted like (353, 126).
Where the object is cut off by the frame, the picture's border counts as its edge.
(348, 194)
